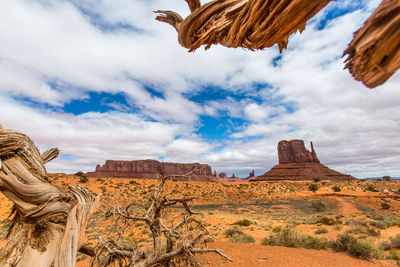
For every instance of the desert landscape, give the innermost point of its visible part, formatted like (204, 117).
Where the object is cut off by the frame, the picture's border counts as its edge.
(123, 144)
(260, 212)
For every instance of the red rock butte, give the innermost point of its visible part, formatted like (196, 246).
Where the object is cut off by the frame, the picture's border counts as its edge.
(297, 163)
(152, 169)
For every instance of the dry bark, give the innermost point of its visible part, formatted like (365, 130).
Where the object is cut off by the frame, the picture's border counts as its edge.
(251, 24)
(48, 225)
(374, 52)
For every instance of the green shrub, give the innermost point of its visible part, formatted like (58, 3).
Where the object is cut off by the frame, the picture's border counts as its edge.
(317, 179)
(244, 222)
(290, 238)
(352, 246)
(386, 178)
(231, 231)
(395, 241)
(313, 187)
(321, 231)
(82, 177)
(237, 236)
(329, 221)
(277, 229)
(242, 238)
(336, 188)
(394, 255)
(371, 188)
(385, 206)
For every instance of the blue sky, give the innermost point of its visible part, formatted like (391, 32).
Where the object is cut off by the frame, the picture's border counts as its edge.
(104, 80)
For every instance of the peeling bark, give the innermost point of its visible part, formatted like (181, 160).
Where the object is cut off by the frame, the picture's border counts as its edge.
(48, 225)
(374, 52)
(251, 24)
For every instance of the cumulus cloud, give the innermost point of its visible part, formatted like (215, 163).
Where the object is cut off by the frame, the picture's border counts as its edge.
(58, 51)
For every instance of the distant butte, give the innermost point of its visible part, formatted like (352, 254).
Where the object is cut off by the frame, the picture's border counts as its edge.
(297, 163)
(152, 169)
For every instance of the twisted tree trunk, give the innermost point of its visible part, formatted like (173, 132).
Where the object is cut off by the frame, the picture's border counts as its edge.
(251, 24)
(374, 52)
(48, 227)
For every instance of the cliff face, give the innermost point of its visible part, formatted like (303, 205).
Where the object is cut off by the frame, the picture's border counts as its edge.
(294, 151)
(151, 169)
(297, 163)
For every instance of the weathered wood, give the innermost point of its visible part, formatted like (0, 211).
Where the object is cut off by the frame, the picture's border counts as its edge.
(251, 24)
(374, 52)
(48, 225)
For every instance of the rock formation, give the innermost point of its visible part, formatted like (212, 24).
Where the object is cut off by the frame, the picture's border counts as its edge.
(252, 174)
(297, 163)
(294, 151)
(374, 53)
(152, 169)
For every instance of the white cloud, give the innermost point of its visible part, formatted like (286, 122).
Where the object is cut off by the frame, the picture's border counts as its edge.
(43, 42)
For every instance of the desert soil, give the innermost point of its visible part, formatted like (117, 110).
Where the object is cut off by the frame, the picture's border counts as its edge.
(268, 205)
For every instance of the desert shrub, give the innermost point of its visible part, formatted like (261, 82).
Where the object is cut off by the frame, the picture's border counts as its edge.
(395, 241)
(317, 179)
(385, 245)
(371, 188)
(386, 178)
(329, 220)
(321, 231)
(313, 187)
(394, 255)
(277, 229)
(352, 246)
(242, 238)
(232, 231)
(82, 177)
(237, 236)
(337, 227)
(384, 223)
(385, 206)
(336, 188)
(244, 222)
(290, 238)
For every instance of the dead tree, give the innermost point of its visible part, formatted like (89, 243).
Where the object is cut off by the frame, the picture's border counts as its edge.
(48, 225)
(174, 242)
(374, 53)
(251, 24)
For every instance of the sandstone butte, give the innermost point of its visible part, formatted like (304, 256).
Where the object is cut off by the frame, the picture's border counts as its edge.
(297, 163)
(153, 169)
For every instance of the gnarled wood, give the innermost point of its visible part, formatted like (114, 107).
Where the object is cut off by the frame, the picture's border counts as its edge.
(48, 227)
(251, 24)
(374, 52)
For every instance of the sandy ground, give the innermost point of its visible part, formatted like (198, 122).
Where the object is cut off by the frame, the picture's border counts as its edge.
(267, 204)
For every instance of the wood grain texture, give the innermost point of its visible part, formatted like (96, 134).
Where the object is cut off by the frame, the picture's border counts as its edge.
(251, 24)
(48, 225)
(374, 52)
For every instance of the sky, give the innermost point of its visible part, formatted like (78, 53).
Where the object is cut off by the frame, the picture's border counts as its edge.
(102, 79)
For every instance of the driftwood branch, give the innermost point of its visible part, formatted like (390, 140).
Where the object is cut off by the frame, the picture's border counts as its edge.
(251, 24)
(374, 52)
(48, 225)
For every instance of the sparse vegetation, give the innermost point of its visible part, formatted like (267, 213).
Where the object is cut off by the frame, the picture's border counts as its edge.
(244, 222)
(371, 188)
(321, 231)
(82, 177)
(336, 188)
(352, 246)
(313, 187)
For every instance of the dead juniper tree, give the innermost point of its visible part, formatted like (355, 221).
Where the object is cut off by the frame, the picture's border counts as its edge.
(175, 241)
(48, 225)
